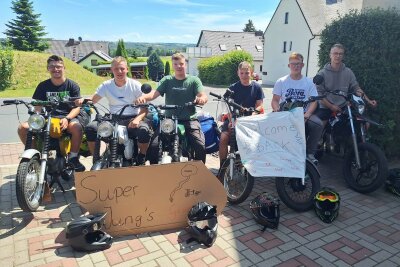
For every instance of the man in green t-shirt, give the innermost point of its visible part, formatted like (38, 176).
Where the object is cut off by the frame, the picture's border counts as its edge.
(180, 89)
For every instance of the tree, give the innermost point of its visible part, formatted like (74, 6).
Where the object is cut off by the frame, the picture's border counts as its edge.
(149, 51)
(167, 68)
(121, 51)
(249, 27)
(372, 43)
(25, 32)
(156, 66)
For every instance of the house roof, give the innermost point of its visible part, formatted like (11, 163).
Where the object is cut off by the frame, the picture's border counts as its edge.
(99, 53)
(246, 40)
(108, 66)
(74, 49)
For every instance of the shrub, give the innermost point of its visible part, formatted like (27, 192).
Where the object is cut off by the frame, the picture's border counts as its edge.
(6, 66)
(155, 65)
(222, 70)
(372, 43)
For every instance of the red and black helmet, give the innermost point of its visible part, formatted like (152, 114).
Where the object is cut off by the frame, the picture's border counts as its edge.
(265, 209)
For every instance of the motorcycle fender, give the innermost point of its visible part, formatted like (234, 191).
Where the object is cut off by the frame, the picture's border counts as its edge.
(369, 121)
(314, 166)
(29, 153)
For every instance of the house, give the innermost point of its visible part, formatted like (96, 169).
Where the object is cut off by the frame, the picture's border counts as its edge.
(297, 25)
(213, 43)
(137, 69)
(76, 49)
(92, 59)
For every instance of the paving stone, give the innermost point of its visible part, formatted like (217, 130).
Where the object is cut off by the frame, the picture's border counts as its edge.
(250, 255)
(365, 263)
(307, 252)
(290, 254)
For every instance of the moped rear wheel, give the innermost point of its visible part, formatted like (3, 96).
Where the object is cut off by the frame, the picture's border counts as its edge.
(29, 190)
(294, 194)
(238, 186)
(373, 171)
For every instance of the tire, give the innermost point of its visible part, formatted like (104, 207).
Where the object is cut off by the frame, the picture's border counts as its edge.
(238, 188)
(374, 168)
(29, 192)
(294, 194)
(103, 162)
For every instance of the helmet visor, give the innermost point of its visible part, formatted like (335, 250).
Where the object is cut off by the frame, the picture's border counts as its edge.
(210, 223)
(330, 196)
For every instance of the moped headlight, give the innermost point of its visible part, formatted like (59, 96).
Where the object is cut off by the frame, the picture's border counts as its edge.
(36, 121)
(361, 109)
(167, 126)
(105, 129)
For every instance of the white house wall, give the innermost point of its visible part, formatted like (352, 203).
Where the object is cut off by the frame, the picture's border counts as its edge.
(295, 32)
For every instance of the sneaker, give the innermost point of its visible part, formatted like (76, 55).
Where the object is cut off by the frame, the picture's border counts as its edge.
(140, 160)
(77, 164)
(311, 158)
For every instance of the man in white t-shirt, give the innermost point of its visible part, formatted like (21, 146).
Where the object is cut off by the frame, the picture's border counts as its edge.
(298, 87)
(119, 92)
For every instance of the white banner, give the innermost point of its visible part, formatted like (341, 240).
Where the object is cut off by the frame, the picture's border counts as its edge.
(273, 144)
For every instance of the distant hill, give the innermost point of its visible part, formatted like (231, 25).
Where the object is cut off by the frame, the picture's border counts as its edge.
(141, 48)
(30, 69)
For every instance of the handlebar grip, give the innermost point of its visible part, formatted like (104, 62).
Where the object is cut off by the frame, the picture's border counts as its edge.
(235, 105)
(168, 107)
(11, 102)
(215, 95)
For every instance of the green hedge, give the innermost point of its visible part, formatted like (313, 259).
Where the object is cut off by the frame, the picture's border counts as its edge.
(6, 66)
(222, 70)
(372, 43)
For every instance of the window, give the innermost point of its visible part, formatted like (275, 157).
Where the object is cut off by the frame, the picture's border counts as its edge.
(260, 68)
(80, 56)
(330, 2)
(290, 46)
(222, 47)
(238, 47)
(93, 62)
(259, 48)
(287, 17)
(284, 47)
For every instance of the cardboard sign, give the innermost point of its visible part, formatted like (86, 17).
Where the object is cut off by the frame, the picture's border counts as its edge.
(148, 198)
(273, 144)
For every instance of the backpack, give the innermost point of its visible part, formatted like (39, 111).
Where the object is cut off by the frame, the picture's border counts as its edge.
(211, 134)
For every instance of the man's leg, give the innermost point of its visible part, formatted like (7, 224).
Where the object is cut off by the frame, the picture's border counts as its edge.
(91, 135)
(314, 127)
(223, 143)
(23, 131)
(75, 129)
(144, 134)
(196, 139)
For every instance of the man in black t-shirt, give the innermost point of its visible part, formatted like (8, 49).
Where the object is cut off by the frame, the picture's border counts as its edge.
(246, 93)
(58, 86)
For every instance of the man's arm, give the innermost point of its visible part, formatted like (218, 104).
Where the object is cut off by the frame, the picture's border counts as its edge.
(134, 123)
(363, 95)
(331, 106)
(147, 97)
(275, 102)
(311, 108)
(201, 98)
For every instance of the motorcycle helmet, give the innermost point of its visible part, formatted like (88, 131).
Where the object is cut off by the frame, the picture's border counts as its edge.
(265, 209)
(393, 181)
(326, 204)
(203, 223)
(85, 234)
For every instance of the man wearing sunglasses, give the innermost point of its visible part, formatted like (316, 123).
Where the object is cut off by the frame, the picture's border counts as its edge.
(298, 87)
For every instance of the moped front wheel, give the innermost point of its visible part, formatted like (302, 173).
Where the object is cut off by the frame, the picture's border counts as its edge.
(373, 171)
(29, 190)
(239, 183)
(295, 194)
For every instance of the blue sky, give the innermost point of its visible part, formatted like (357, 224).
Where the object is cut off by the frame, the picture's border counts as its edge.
(176, 21)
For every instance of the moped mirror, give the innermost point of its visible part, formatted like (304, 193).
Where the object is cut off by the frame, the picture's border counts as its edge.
(146, 88)
(318, 79)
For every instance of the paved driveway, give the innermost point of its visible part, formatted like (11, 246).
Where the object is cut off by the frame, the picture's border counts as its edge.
(366, 233)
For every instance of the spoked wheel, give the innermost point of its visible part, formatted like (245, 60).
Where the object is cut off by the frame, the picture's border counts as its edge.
(239, 184)
(295, 194)
(29, 191)
(373, 171)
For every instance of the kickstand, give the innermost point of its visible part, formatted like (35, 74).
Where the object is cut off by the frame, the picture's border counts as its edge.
(56, 178)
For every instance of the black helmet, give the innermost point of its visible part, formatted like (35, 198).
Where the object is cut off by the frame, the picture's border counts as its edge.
(326, 204)
(203, 223)
(265, 209)
(84, 234)
(393, 181)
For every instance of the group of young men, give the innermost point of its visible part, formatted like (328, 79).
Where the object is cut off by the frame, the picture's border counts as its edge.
(181, 88)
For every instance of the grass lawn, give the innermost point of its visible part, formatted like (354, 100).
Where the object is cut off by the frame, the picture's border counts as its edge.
(30, 70)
